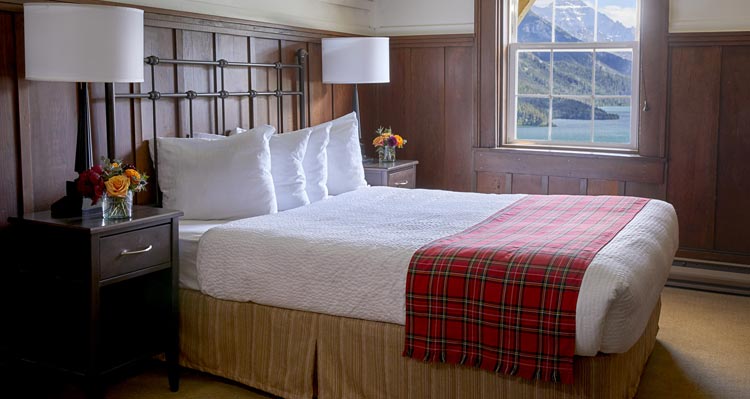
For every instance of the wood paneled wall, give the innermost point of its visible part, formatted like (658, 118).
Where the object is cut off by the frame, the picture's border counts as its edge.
(431, 101)
(709, 142)
(39, 119)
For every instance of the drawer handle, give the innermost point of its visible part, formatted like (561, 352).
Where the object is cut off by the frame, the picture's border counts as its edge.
(140, 251)
(401, 183)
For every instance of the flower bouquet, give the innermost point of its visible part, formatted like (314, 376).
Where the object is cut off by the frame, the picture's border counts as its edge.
(114, 183)
(386, 143)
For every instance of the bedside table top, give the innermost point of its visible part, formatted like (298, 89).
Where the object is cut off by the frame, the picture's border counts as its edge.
(389, 165)
(96, 224)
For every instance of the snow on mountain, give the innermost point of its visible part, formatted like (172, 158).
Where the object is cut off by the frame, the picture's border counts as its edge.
(578, 20)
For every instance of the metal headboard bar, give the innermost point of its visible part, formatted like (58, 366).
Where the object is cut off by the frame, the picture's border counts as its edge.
(223, 63)
(220, 93)
(191, 94)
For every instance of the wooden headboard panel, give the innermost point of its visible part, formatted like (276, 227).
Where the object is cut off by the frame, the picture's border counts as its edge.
(219, 95)
(171, 37)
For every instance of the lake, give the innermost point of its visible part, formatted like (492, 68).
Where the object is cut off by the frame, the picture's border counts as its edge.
(613, 131)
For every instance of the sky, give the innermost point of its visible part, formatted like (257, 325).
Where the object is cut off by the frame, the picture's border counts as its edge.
(619, 10)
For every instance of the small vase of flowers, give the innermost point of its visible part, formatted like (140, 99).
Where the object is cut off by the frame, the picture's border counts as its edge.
(386, 143)
(114, 183)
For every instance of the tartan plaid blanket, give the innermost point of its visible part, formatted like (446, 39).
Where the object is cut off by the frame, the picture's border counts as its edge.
(502, 294)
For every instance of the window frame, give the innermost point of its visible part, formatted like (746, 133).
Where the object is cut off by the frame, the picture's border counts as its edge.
(511, 78)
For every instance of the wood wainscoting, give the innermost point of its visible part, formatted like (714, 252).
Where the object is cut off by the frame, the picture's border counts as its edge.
(431, 101)
(39, 119)
(523, 171)
(709, 141)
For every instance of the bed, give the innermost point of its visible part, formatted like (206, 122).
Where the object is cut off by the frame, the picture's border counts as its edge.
(304, 297)
(273, 305)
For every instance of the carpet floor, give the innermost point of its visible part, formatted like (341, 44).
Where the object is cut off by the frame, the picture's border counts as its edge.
(702, 351)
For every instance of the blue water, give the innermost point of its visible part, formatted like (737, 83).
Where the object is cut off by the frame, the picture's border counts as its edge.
(616, 131)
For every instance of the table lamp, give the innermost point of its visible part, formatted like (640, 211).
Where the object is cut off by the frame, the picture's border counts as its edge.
(82, 43)
(355, 60)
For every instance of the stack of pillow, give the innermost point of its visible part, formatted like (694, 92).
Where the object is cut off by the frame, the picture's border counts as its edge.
(256, 172)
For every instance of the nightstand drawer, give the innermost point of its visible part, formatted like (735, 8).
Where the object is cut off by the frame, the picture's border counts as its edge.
(403, 179)
(134, 250)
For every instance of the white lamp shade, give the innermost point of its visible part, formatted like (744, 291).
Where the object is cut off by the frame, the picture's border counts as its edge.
(356, 60)
(83, 43)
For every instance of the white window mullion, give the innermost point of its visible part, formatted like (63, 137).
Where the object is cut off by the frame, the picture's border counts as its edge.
(593, 95)
(596, 21)
(554, 21)
(551, 98)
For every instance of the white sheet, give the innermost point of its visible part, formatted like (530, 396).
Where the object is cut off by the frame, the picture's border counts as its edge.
(348, 256)
(190, 233)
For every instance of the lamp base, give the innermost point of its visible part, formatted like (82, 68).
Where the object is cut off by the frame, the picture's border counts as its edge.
(73, 204)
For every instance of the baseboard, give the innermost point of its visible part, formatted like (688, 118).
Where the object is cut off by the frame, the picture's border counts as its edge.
(717, 277)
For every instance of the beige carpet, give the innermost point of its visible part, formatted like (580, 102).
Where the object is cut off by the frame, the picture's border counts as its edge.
(703, 347)
(703, 351)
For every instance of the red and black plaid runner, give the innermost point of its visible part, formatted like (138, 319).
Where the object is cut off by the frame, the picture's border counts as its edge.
(502, 295)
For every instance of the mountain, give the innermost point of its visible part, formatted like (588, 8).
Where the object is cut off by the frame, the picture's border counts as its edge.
(572, 70)
(535, 29)
(569, 15)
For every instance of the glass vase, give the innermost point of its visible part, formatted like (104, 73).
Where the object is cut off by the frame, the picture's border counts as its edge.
(117, 207)
(388, 154)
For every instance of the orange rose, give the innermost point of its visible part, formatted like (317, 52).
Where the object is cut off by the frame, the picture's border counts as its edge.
(133, 174)
(117, 186)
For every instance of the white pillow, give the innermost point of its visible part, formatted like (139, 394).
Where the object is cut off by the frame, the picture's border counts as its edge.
(218, 179)
(345, 170)
(287, 153)
(314, 164)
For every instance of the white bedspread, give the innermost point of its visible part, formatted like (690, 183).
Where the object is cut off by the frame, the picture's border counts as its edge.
(349, 255)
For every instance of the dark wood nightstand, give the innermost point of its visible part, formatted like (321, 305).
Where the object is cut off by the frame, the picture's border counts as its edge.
(94, 295)
(401, 174)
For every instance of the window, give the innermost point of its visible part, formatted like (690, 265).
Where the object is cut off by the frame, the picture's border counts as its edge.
(573, 73)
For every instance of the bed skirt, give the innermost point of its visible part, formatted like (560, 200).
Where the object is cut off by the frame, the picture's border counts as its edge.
(297, 354)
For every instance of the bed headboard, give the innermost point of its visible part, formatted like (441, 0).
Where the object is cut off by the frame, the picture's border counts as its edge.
(219, 93)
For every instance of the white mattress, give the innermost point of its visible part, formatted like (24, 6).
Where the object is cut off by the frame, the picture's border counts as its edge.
(349, 255)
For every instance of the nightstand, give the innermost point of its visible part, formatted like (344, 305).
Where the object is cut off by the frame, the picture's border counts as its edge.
(95, 296)
(402, 174)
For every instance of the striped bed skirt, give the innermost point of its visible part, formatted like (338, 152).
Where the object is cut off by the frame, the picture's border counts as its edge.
(296, 354)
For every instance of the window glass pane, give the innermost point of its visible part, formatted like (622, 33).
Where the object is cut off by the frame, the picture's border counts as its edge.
(617, 20)
(573, 72)
(614, 73)
(532, 118)
(535, 25)
(574, 21)
(533, 72)
(571, 120)
(612, 124)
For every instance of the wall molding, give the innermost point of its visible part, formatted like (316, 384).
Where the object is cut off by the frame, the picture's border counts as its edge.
(739, 38)
(426, 29)
(458, 40)
(350, 16)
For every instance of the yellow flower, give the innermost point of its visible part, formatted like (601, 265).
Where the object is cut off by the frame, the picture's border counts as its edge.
(117, 186)
(115, 165)
(133, 175)
(399, 141)
(378, 141)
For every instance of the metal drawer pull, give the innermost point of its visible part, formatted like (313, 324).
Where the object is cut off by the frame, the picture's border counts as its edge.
(140, 251)
(401, 183)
